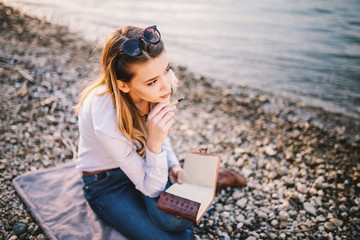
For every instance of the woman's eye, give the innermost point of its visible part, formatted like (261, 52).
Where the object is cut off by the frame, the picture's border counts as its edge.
(168, 69)
(152, 83)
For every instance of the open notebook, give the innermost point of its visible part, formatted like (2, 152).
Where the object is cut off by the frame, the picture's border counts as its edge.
(193, 197)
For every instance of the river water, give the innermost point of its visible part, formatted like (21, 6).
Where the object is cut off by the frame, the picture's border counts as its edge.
(305, 50)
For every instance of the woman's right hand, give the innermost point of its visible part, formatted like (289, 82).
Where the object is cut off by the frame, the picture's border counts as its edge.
(160, 119)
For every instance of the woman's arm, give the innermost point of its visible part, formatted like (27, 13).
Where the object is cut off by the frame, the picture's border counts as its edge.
(149, 175)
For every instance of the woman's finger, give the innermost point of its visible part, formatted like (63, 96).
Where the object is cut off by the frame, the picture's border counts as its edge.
(166, 118)
(162, 113)
(180, 176)
(157, 109)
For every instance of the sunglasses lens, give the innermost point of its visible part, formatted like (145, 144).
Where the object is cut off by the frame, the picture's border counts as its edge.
(132, 47)
(152, 35)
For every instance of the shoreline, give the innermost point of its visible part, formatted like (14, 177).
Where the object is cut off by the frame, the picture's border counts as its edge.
(290, 154)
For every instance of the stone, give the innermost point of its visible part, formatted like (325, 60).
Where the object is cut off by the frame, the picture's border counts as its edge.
(251, 238)
(240, 218)
(20, 229)
(262, 215)
(309, 208)
(254, 234)
(282, 236)
(283, 216)
(274, 223)
(329, 226)
(225, 215)
(336, 222)
(320, 218)
(269, 151)
(241, 202)
(240, 225)
(301, 187)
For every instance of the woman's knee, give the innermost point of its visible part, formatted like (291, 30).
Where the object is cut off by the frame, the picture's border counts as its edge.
(163, 220)
(170, 222)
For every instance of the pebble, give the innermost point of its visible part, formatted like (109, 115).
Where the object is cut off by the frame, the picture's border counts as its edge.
(240, 225)
(320, 218)
(336, 222)
(282, 236)
(251, 238)
(329, 226)
(269, 151)
(309, 208)
(240, 218)
(274, 222)
(283, 216)
(20, 228)
(241, 203)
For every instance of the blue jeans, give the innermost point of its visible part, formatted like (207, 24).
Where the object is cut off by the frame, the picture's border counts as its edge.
(114, 199)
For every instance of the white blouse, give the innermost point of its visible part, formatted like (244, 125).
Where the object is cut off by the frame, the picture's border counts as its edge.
(102, 146)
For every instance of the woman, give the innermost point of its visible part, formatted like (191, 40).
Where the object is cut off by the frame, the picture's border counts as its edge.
(124, 154)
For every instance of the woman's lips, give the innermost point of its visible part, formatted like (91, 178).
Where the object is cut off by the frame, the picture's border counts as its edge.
(166, 95)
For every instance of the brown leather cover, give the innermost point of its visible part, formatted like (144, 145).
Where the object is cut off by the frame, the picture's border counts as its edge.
(179, 206)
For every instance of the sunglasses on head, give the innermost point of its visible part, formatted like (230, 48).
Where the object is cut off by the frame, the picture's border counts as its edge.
(132, 47)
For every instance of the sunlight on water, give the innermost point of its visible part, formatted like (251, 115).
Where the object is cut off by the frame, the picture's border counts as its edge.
(304, 50)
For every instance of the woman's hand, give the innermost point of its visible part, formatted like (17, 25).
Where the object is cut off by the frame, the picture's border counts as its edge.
(176, 174)
(160, 119)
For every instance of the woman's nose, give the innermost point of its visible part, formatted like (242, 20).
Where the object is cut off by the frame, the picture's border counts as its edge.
(166, 85)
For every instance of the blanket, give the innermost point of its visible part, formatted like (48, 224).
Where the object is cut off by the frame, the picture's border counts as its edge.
(55, 199)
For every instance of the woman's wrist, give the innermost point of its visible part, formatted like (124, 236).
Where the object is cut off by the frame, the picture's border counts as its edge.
(154, 148)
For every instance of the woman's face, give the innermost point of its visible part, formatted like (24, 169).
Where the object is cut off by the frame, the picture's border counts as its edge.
(151, 81)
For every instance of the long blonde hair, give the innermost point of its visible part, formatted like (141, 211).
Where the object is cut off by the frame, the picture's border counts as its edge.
(116, 66)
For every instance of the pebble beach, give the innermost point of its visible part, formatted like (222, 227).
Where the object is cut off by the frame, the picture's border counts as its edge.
(302, 164)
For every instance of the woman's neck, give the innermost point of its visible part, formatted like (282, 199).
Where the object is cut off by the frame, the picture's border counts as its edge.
(143, 107)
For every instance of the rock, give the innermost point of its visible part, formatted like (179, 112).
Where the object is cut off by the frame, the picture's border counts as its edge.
(20, 228)
(240, 218)
(241, 203)
(251, 238)
(262, 215)
(254, 234)
(309, 208)
(2, 166)
(274, 222)
(329, 226)
(237, 194)
(283, 216)
(336, 222)
(320, 218)
(225, 215)
(342, 208)
(282, 236)
(269, 151)
(239, 225)
(301, 187)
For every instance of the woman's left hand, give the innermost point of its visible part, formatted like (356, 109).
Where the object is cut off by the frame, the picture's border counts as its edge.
(176, 174)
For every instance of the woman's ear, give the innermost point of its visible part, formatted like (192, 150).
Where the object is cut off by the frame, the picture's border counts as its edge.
(123, 86)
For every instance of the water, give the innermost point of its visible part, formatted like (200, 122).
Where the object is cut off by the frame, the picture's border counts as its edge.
(305, 50)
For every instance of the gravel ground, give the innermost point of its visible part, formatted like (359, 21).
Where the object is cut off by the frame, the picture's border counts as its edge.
(302, 164)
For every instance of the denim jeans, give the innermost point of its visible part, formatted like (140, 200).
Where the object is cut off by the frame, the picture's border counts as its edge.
(114, 199)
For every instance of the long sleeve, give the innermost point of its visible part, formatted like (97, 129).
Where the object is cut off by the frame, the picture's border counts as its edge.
(171, 157)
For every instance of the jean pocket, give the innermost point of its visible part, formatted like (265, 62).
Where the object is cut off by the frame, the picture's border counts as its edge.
(93, 180)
